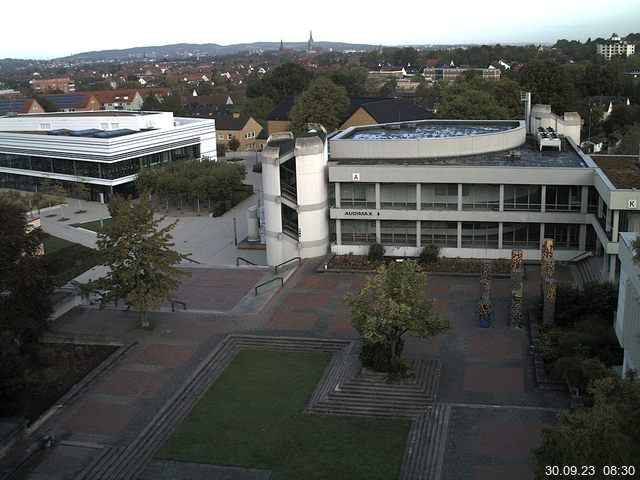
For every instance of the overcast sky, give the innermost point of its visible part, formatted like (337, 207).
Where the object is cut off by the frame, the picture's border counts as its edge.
(43, 29)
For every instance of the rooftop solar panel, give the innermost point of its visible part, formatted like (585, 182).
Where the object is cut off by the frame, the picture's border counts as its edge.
(114, 133)
(83, 133)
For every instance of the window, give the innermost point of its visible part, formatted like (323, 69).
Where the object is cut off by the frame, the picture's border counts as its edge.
(439, 196)
(229, 136)
(522, 197)
(443, 234)
(398, 232)
(398, 195)
(480, 197)
(562, 198)
(480, 235)
(522, 235)
(565, 236)
(220, 137)
(357, 195)
(358, 232)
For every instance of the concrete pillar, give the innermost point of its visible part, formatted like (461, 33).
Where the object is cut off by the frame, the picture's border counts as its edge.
(501, 204)
(378, 235)
(616, 224)
(582, 238)
(418, 239)
(608, 221)
(459, 200)
(612, 267)
(337, 194)
(459, 235)
(338, 232)
(378, 199)
(600, 204)
(543, 201)
(418, 196)
(584, 204)
(541, 234)
(500, 230)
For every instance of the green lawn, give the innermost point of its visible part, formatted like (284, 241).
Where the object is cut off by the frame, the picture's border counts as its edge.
(253, 417)
(68, 259)
(93, 225)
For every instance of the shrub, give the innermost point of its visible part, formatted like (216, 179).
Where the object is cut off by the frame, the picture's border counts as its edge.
(430, 254)
(233, 144)
(221, 149)
(257, 168)
(376, 252)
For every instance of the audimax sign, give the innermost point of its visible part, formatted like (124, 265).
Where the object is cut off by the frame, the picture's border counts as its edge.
(361, 213)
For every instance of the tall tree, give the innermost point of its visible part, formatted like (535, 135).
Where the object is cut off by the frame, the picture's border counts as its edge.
(353, 78)
(25, 282)
(286, 80)
(549, 84)
(323, 102)
(393, 303)
(139, 253)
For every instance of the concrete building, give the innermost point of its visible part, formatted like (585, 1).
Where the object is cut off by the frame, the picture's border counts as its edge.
(64, 84)
(102, 149)
(121, 99)
(627, 321)
(477, 189)
(615, 46)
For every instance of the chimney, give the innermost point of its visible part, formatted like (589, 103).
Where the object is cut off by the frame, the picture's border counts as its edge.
(236, 115)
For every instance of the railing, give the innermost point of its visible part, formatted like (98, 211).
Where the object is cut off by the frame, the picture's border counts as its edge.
(581, 256)
(287, 261)
(244, 260)
(193, 261)
(173, 305)
(289, 192)
(268, 282)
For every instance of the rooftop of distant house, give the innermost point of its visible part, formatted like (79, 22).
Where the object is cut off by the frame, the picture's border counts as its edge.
(622, 170)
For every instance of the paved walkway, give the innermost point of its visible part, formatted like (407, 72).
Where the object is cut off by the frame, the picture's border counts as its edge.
(496, 412)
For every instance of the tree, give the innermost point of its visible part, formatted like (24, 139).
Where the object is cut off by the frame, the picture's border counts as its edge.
(233, 144)
(25, 282)
(389, 89)
(393, 303)
(630, 144)
(606, 434)
(549, 84)
(323, 102)
(286, 80)
(151, 103)
(258, 108)
(142, 263)
(353, 79)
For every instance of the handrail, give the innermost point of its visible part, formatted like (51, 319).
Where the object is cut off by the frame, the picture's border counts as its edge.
(244, 260)
(173, 305)
(267, 282)
(287, 261)
(581, 256)
(193, 261)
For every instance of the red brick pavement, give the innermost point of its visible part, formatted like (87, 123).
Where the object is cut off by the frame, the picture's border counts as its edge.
(311, 300)
(493, 379)
(437, 287)
(300, 321)
(340, 323)
(320, 282)
(101, 418)
(166, 355)
(495, 347)
(503, 472)
(509, 438)
(424, 346)
(133, 383)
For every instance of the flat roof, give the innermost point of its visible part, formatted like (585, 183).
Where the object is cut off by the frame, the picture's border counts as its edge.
(94, 113)
(622, 170)
(526, 155)
(428, 130)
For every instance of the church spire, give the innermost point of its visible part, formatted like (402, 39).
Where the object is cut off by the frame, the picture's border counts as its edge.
(310, 46)
(281, 45)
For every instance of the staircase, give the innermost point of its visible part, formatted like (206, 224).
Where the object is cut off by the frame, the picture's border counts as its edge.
(369, 393)
(589, 270)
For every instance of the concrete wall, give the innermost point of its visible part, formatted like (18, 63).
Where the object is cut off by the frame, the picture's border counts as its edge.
(344, 147)
(567, 125)
(627, 320)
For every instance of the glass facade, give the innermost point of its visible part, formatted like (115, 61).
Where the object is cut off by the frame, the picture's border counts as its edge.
(561, 198)
(565, 236)
(105, 170)
(398, 232)
(479, 235)
(521, 235)
(480, 197)
(439, 196)
(358, 195)
(443, 234)
(522, 197)
(400, 195)
(358, 232)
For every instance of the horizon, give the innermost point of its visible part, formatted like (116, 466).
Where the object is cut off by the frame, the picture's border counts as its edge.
(488, 23)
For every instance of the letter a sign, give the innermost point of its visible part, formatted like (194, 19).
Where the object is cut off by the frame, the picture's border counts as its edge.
(355, 177)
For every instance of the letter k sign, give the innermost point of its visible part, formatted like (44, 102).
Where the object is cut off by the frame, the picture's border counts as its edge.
(633, 204)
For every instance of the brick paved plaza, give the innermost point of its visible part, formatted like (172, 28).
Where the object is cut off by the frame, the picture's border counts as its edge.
(497, 413)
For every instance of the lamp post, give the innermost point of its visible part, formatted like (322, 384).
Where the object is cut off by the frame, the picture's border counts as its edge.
(235, 233)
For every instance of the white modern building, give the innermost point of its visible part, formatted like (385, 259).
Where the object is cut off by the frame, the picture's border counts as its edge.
(104, 149)
(627, 322)
(477, 189)
(615, 46)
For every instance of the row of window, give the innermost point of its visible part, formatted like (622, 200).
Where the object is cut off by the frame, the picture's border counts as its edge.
(474, 197)
(445, 234)
(82, 168)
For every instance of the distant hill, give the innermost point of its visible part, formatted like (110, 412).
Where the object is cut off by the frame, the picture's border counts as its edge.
(193, 49)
